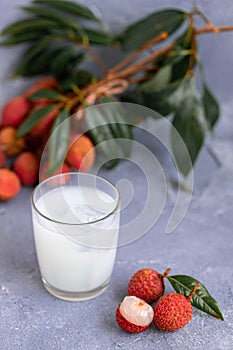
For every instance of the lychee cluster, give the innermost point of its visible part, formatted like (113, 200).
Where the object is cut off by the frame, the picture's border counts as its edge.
(135, 314)
(20, 156)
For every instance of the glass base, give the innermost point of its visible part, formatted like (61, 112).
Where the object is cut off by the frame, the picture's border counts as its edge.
(75, 296)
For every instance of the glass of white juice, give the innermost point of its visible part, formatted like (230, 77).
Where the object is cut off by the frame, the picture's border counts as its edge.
(76, 222)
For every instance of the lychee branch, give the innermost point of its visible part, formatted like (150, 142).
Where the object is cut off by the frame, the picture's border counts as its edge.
(193, 292)
(209, 27)
(118, 78)
(162, 36)
(213, 29)
(107, 85)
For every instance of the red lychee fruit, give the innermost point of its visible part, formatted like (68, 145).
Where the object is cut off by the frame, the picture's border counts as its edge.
(9, 184)
(15, 111)
(173, 311)
(2, 158)
(26, 166)
(81, 154)
(134, 315)
(147, 284)
(11, 145)
(44, 83)
(65, 168)
(43, 127)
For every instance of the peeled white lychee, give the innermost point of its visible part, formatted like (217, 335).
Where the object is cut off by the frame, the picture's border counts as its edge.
(134, 314)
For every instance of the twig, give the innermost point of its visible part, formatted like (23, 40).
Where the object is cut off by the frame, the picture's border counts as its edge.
(141, 65)
(96, 58)
(193, 47)
(105, 85)
(197, 11)
(162, 36)
(209, 27)
(213, 29)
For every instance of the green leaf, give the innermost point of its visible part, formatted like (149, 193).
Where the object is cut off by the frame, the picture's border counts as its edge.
(80, 79)
(155, 92)
(176, 97)
(24, 38)
(43, 93)
(70, 7)
(156, 99)
(179, 56)
(61, 59)
(156, 103)
(61, 62)
(162, 21)
(180, 69)
(57, 17)
(211, 107)
(189, 123)
(100, 131)
(30, 55)
(202, 299)
(33, 119)
(58, 141)
(43, 60)
(159, 81)
(98, 38)
(50, 14)
(83, 78)
(67, 83)
(27, 25)
(117, 121)
(133, 96)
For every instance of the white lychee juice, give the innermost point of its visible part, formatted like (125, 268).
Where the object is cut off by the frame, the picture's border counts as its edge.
(76, 234)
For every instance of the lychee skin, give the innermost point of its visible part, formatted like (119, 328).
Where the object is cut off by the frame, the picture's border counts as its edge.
(11, 145)
(9, 184)
(146, 284)
(134, 315)
(26, 166)
(172, 312)
(15, 111)
(81, 154)
(126, 325)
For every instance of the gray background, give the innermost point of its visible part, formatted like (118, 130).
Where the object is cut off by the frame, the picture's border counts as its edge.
(201, 246)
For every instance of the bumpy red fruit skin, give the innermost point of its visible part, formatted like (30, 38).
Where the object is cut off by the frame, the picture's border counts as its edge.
(172, 312)
(9, 184)
(9, 142)
(15, 111)
(81, 154)
(26, 166)
(128, 326)
(146, 284)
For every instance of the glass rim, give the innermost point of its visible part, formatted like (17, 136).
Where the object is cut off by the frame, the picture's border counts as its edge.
(113, 211)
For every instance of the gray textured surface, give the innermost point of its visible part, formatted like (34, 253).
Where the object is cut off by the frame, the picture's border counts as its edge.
(202, 245)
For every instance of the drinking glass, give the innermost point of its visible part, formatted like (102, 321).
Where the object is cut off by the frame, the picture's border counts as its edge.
(76, 222)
